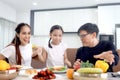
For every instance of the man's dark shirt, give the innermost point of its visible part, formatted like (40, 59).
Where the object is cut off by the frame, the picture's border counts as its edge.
(87, 53)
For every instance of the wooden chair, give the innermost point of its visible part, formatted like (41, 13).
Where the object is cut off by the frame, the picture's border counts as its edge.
(37, 64)
(117, 67)
(71, 53)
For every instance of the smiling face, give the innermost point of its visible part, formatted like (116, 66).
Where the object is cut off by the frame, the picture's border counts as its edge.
(56, 36)
(24, 35)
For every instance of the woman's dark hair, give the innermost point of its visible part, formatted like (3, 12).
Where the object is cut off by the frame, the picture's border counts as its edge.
(16, 42)
(58, 27)
(90, 28)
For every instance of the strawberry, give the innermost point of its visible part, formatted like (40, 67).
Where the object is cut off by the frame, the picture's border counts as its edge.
(76, 67)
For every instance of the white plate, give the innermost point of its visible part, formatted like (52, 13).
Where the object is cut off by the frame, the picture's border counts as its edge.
(23, 73)
(57, 71)
(26, 67)
(21, 67)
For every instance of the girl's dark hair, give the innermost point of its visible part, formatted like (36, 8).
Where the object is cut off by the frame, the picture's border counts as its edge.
(16, 42)
(58, 27)
(89, 28)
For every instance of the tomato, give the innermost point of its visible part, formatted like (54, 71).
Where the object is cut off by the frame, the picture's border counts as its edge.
(76, 67)
(12, 68)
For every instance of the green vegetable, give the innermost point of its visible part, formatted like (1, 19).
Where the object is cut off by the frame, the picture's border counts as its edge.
(62, 69)
(86, 65)
(57, 68)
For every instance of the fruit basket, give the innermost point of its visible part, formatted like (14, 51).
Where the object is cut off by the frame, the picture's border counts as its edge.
(8, 74)
(89, 71)
(6, 71)
(90, 76)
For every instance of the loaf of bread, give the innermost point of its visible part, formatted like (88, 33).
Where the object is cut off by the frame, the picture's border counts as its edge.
(17, 66)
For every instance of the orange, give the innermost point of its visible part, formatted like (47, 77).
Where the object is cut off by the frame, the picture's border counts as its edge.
(69, 73)
(4, 65)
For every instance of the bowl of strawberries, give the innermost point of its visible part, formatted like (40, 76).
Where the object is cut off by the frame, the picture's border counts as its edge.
(44, 75)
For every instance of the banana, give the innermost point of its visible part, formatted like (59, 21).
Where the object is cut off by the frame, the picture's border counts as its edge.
(90, 70)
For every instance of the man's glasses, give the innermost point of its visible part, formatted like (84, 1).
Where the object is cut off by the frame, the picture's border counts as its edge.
(83, 35)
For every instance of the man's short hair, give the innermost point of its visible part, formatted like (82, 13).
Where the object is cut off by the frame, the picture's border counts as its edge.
(89, 28)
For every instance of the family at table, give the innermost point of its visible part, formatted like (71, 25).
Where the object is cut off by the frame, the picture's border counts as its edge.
(20, 50)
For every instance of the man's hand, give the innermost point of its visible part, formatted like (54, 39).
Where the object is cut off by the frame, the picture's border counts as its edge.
(76, 64)
(107, 56)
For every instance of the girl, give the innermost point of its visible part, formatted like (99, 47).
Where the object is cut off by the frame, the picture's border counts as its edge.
(19, 51)
(55, 52)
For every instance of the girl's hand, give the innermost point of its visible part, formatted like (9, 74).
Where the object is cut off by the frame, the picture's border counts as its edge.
(68, 63)
(76, 64)
(107, 56)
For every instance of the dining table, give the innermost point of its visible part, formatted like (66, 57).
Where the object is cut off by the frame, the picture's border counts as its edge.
(59, 76)
(62, 76)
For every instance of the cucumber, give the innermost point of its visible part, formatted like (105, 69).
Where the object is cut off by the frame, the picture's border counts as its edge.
(90, 70)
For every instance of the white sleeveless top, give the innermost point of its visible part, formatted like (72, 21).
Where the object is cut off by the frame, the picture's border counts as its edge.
(55, 55)
(26, 53)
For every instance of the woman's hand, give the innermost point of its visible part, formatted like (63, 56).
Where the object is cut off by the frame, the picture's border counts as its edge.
(107, 56)
(2, 57)
(42, 54)
(76, 64)
(37, 51)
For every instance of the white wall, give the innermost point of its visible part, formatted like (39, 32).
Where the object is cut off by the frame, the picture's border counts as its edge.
(7, 24)
(7, 12)
(108, 17)
(70, 20)
(71, 39)
(23, 16)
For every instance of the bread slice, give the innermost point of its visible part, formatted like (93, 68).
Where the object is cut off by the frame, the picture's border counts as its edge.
(31, 71)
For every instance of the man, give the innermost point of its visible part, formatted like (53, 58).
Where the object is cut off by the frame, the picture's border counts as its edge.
(93, 49)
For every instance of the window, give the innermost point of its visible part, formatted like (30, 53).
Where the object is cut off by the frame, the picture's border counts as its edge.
(6, 32)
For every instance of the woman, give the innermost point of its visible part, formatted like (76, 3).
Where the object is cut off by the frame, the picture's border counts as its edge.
(19, 51)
